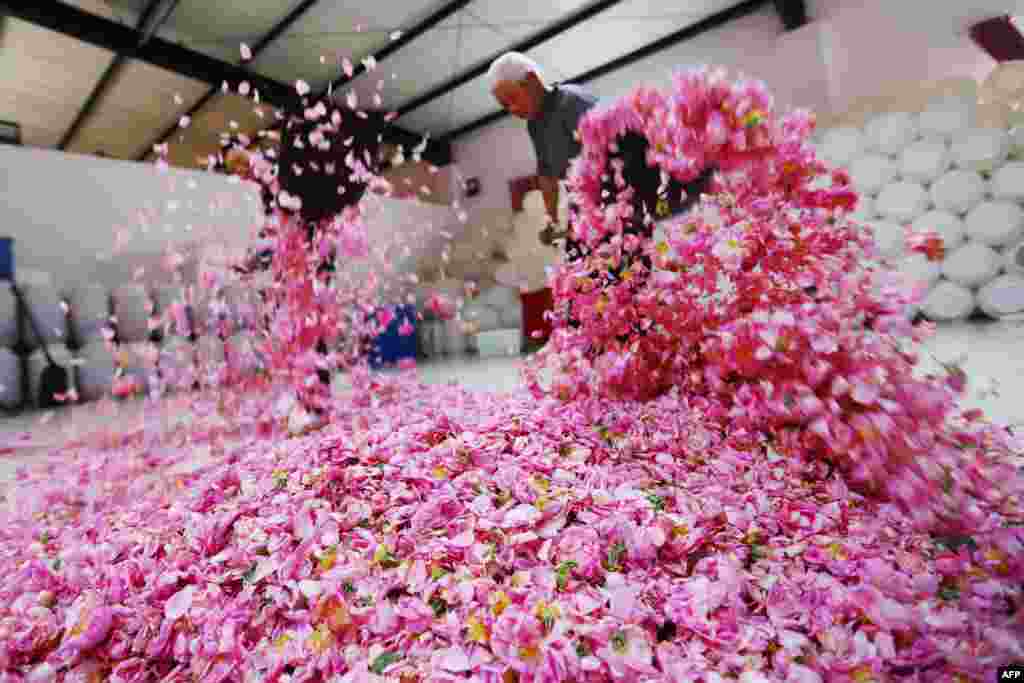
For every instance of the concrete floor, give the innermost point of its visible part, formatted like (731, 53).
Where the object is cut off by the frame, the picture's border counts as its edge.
(992, 354)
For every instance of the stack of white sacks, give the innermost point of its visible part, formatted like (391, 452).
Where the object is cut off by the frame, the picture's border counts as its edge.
(47, 307)
(10, 364)
(957, 169)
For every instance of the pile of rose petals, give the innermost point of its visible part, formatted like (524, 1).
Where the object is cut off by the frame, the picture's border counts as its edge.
(434, 534)
(762, 305)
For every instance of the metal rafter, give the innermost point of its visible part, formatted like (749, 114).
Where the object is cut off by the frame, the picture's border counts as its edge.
(407, 37)
(111, 35)
(690, 32)
(547, 33)
(147, 25)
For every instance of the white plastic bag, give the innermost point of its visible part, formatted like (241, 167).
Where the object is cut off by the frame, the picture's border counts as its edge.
(958, 191)
(948, 301)
(972, 265)
(1003, 296)
(996, 224)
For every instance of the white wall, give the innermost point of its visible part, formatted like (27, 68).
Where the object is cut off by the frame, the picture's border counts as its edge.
(871, 46)
(66, 213)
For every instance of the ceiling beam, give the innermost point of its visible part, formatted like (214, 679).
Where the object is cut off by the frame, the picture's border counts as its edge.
(715, 21)
(275, 32)
(148, 24)
(547, 33)
(792, 12)
(447, 10)
(110, 35)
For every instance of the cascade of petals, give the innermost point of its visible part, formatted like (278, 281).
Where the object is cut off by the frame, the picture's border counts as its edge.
(760, 303)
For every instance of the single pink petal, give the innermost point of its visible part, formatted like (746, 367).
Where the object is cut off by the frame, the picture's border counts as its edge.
(179, 605)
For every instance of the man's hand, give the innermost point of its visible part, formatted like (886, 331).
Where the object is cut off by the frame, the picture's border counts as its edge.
(551, 233)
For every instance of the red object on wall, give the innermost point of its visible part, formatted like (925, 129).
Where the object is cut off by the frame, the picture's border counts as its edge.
(535, 305)
(1000, 38)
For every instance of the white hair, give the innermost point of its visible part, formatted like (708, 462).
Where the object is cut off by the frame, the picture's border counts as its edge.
(513, 66)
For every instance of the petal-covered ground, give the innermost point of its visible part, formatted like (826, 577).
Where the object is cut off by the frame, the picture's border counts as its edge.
(430, 533)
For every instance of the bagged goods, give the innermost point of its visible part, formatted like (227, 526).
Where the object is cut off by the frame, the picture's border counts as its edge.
(971, 265)
(37, 363)
(919, 270)
(44, 304)
(498, 297)
(996, 224)
(980, 149)
(499, 343)
(1013, 259)
(842, 145)
(8, 318)
(1008, 182)
(890, 133)
(132, 306)
(89, 313)
(871, 173)
(889, 237)
(10, 379)
(949, 227)
(512, 316)
(946, 117)
(430, 338)
(925, 160)
(1003, 296)
(958, 191)
(96, 371)
(948, 301)
(902, 201)
(865, 210)
(482, 316)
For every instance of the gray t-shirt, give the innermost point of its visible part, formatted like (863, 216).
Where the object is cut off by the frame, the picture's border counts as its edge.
(553, 132)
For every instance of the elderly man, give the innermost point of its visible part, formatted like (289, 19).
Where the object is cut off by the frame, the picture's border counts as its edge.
(552, 113)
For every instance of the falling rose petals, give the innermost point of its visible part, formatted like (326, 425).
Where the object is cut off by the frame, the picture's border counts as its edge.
(391, 116)
(347, 67)
(224, 87)
(370, 63)
(302, 88)
(245, 51)
(244, 88)
(395, 35)
(377, 100)
(352, 99)
(184, 122)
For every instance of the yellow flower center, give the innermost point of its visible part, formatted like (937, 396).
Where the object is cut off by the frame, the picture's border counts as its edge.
(501, 603)
(478, 632)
